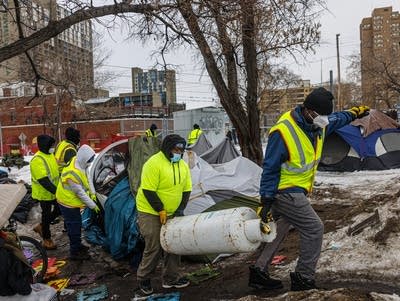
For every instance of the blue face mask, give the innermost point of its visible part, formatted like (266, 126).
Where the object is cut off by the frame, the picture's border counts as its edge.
(176, 157)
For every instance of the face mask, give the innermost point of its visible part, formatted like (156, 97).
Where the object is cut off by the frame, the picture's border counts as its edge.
(51, 150)
(321, 121)
(176, 157)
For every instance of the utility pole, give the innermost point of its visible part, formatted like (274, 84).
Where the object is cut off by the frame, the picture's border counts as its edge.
(339, 102)
(1, 141)
(331, 87)
(321, 72)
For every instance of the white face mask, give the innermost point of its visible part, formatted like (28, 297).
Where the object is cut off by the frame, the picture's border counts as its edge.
(51, 150)
(321, 121)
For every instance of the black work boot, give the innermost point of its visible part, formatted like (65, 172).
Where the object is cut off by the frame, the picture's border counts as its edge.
(299, 283)
(261, 280)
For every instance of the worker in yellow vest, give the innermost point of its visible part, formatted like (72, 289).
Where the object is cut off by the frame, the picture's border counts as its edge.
(73, 194)
(291, 160)
(164, 192)
(66, 149)
(151, 132)
(45, 176)
(194, 134)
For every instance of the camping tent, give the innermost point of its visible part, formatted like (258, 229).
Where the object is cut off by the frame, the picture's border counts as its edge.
(221, 153)
(370, 143)
(201, 146)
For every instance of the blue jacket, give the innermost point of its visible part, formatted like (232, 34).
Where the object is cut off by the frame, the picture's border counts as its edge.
(277, 153)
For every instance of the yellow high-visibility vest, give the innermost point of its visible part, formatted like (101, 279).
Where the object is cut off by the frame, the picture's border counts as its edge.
(149, 133)
(300, 169)
(65, 196)
(61, 149)
(43, 165)
(194, 135)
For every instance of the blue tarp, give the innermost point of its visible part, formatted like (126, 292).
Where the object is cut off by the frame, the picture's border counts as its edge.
(120, 229)
(364, 146)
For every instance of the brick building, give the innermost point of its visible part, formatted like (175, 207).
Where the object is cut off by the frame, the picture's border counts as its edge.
(22, 119)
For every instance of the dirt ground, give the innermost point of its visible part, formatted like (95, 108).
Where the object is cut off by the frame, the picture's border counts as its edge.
(120, 278)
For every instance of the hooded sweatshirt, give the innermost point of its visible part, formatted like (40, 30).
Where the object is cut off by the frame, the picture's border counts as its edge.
(164, 184)
(81, 162)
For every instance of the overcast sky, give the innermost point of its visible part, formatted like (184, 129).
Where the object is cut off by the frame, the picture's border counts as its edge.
(194, 87)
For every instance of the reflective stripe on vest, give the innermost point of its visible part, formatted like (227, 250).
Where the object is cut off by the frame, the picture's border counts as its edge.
(65, 195)
(300, 169)
(149, 133)
(194, 135)
(61, 149)
(50, 165)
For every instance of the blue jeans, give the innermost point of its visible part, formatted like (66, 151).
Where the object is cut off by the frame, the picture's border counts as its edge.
(73, 223)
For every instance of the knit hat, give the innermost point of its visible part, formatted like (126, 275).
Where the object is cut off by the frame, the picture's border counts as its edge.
(73, 135)
(153, 127)
(320, 100)
(196, 126)
(45, 142)
(170, 142)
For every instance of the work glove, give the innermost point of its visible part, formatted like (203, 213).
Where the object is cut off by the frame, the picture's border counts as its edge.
(96, 209)
(163, 216)
(264, 212)
(359, 112)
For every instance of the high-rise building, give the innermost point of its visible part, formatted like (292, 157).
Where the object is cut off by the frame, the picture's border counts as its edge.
(380, 57)
(154, 87)
(66, 59)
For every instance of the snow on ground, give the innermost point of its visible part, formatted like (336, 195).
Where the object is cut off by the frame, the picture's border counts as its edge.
(358, 255)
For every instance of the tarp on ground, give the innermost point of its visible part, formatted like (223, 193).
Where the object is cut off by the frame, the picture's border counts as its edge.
(221, 153)
(120, 233)
(371, 143)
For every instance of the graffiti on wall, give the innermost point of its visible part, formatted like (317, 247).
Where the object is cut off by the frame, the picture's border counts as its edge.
(212, 123)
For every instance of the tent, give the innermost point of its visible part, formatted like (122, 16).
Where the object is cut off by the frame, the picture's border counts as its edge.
(231, 182)
(201, 146)
(221, 153)
(370, 143)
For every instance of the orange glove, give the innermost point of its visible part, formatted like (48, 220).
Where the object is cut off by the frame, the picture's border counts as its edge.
(163, 216)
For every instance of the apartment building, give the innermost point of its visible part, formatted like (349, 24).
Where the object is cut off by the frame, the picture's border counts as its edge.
(380, 57)
(66, 58)
(154, 88)
(277, 101)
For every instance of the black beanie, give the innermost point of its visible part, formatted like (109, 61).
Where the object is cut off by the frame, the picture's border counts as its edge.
(45, 142)
(170, 142)
(72, 135)
(320, 100)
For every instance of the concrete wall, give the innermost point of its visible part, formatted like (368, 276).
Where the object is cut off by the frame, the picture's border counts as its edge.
(210, 119)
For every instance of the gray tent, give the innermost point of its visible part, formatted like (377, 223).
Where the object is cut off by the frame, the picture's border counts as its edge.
(221, 153)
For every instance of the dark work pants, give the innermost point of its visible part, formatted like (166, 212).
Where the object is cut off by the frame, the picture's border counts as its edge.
(50, 211)
(150, 228)
(73, 222)
(294, 209)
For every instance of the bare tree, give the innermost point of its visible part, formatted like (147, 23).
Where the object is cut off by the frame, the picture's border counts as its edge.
(381, 78)
(234, 38)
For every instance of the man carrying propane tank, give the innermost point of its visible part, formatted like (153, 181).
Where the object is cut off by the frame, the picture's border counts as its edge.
(163, 193)
(291, 159)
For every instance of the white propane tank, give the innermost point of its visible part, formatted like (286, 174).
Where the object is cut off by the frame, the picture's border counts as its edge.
(235, 230)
